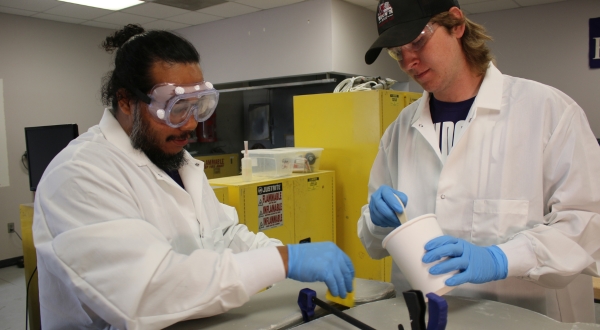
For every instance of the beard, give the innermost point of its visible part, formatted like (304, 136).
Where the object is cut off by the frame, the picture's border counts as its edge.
(145, 139)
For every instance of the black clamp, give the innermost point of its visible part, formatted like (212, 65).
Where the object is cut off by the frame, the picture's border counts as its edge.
(438, 310)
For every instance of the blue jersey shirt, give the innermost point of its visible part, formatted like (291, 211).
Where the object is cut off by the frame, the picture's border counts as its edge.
(447, 118)
(175, 176)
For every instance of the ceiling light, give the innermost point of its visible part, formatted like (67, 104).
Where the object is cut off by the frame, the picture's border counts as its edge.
(106, 4)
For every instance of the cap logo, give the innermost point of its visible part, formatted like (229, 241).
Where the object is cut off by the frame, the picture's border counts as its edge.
(385, 12)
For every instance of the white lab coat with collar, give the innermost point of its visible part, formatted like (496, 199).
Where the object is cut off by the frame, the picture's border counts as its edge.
(120, 245)
(524, 174)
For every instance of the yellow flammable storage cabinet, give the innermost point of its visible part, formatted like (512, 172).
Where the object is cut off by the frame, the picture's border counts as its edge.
(218, 166)
(222, 194)
(30, 260)
(293, 209)
(349, 126)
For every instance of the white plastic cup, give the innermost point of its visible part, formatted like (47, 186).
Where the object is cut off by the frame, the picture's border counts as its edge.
(406, 245)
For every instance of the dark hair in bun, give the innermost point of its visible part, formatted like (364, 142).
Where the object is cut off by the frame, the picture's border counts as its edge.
(136, 51)
(116, 40)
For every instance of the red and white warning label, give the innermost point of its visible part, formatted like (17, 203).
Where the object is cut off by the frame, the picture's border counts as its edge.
(270, 206)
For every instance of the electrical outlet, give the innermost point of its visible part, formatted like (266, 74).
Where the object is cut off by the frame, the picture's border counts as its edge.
(11, 227)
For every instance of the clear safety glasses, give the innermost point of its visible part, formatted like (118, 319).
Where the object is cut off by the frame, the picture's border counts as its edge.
(415, 45)
(175, 104)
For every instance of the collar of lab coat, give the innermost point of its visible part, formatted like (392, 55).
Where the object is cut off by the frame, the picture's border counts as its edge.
(115, 134)
(488, 97)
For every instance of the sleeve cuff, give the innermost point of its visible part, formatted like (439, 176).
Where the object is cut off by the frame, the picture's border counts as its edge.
(520, 256)
(377, 232)
(260, 268)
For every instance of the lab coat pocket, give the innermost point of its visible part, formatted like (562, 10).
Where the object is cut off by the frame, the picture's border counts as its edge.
(496, 220)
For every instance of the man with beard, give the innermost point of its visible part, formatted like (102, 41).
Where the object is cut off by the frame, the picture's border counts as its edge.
(129, 233)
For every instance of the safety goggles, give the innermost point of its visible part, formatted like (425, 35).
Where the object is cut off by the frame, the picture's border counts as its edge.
(175, 104)
(415, 45)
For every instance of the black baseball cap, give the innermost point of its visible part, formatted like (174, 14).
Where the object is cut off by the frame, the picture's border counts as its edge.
(400, 22)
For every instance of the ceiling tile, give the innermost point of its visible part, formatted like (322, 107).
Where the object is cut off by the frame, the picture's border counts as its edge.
(59, 18)
(468, 2)
(193, 18)
(164, 25)
(15, 11)
(267, 4)
(78, 11)
(33, 5)
(368, 4)
(192, 5)
(484, 7)
(535, 2)
(155, 10)
(123, 19)
(364, 3)
(102, 25)
(229, 9)
(372, 7)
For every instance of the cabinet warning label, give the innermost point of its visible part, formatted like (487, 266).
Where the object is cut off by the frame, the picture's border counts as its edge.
(270, 206)
(394, 99)
(313, 183)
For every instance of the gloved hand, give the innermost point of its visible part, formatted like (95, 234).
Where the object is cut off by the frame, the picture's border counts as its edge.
(324, 262)
(476, 264)
(384, 206)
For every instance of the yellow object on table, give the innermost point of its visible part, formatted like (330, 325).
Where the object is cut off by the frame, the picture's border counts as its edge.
(348, 301)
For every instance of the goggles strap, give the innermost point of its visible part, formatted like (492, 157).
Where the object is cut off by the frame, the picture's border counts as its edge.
(145, 98)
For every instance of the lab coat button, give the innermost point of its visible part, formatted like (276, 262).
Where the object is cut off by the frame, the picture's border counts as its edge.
(197, 164)
(420, 125)
(443, 196)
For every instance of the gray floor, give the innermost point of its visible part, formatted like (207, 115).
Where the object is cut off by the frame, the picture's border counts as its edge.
(12, 299)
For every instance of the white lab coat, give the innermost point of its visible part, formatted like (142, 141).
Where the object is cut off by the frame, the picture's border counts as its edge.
(120, 245)
(524, 174)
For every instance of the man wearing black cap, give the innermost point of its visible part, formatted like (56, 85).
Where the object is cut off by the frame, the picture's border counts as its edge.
(509, 166)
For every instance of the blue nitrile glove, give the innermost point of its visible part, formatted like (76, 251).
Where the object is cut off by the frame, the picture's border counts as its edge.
(476, 264)
(324, 262)
(384, 206)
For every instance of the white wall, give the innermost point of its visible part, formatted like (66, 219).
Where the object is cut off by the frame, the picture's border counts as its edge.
(304, 38)
(284, 41)
(354, 31)
(51, 74)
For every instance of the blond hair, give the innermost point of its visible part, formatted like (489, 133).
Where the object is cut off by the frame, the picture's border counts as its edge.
(473, 41)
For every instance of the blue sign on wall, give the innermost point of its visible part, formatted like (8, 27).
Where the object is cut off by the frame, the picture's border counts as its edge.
(595, 43)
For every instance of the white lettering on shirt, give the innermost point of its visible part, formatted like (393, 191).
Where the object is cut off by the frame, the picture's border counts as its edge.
(446, 132)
